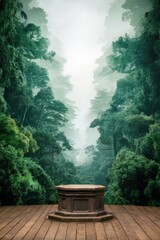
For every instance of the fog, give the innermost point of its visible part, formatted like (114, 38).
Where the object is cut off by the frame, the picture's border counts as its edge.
(80, 31)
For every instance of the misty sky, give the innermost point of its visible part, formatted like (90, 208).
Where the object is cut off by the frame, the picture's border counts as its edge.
(79, 27)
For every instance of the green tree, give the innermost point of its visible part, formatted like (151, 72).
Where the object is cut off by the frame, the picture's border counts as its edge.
(15, 178)
(26, 97)
(134, 13)
(131, 180)
(132, 120)
(42, 189)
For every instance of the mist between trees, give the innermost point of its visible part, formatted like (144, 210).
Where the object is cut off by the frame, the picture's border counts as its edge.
(36, 117)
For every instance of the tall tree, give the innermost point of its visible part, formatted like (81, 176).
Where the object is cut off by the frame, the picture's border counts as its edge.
(138, 57)
(25, 95)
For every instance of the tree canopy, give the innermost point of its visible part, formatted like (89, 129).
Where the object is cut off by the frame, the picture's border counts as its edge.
(32, 141)
(129, 126)
(35, 113)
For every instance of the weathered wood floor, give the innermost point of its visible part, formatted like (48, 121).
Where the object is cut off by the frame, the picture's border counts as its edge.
(31, 222)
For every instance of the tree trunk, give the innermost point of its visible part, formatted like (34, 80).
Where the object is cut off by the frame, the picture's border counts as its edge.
(39, 117)
(24, 116)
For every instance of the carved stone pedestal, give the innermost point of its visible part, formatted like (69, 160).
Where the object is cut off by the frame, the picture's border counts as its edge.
(80, 203)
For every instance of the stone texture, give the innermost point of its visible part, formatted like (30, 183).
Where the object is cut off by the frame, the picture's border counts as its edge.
(80, 203)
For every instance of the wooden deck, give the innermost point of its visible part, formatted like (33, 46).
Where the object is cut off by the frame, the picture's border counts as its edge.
(31, 222)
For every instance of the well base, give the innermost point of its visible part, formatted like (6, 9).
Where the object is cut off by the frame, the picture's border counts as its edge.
(80, 217)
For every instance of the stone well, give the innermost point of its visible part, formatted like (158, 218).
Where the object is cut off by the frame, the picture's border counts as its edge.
(80, 203)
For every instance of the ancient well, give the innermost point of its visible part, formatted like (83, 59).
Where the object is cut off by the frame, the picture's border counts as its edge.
(80, 203)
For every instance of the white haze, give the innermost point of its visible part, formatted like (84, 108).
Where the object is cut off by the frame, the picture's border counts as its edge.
(79, 27)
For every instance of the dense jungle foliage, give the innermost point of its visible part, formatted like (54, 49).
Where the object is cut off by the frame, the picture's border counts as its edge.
(130, 126)
(31, 119)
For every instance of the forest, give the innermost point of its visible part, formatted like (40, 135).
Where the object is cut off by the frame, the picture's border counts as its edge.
(35, 150)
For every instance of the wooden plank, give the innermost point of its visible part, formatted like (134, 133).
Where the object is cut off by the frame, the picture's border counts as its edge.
(4, 209)
(150, 215)
(148, 220)
(100, 232)
(14, 220)
(31, 222)
(35, 228)
(108, 209)
(133, 211)
(62, 230)
(21, 222)
(90, 231)
(139, 231)
(25, 229)
(130, 232)
(117, 209)
(71, 231)
(52, 230)
(110, 232)
(43, 230)
(9, 216)
(81, 231)
(154, 211)
(119, 229)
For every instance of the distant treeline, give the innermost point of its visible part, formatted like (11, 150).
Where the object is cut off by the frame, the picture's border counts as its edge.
(31, 140)
(130, 126)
